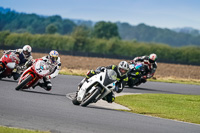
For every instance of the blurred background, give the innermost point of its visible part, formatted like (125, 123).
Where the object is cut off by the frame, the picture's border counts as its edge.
(106, 28)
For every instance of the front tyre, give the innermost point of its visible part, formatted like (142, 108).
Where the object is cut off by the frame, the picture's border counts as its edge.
(90, 97)
(1, 68)
(75, 102)
(24, 82)
(130, 84)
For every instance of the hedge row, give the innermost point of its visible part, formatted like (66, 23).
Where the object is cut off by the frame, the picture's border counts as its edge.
(114, 46)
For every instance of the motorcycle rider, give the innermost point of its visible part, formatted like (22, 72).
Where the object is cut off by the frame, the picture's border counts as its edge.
(53, 60)
(150, 65)
(121, 69)
(25, 58)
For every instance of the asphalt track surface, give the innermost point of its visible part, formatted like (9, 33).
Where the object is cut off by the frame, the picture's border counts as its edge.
(42, 110)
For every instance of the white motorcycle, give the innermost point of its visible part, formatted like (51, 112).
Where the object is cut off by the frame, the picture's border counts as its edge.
(96, 88)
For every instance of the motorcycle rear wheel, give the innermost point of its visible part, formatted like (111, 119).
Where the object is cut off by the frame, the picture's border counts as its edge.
(24, 82)
(89, 99)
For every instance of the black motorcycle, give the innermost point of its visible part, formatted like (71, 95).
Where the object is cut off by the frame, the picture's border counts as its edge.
(135, 74)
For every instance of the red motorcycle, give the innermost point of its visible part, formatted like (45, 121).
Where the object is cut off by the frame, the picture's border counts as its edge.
(33, 74)
(8, 62)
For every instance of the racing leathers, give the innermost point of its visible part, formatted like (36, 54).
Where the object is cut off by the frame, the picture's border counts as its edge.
(119, 85)
(150, 67)
(24, 62)
(54, 69)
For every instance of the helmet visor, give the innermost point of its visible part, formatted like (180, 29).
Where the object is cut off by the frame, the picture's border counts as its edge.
(26, 53)
(123, 71)
(151, 61)
(54, 59)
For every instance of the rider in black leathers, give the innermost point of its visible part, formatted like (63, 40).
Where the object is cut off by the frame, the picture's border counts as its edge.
(150, 65)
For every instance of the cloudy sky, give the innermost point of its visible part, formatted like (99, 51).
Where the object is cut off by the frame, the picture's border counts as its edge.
(159, 13)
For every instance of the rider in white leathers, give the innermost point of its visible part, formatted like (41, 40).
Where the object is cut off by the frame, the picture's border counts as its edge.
(53, 60)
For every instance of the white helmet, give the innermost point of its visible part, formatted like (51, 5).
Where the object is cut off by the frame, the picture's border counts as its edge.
(27, 51)
(123, 68)
(152, 58)
(53, 54)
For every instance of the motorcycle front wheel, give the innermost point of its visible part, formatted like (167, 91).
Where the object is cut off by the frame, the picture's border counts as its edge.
(90, 97)
(130, 83)
(75, 101)
(24, 82)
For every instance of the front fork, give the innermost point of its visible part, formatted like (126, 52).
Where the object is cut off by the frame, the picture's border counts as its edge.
(104, 92)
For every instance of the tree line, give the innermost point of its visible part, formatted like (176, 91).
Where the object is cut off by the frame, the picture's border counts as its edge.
(81, 41)
(36, 24)
(145, 33)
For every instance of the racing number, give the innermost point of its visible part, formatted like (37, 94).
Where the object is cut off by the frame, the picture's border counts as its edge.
(39, 70)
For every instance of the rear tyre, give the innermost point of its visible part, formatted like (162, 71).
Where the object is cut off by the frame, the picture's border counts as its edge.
(24, 82)
(90, 98)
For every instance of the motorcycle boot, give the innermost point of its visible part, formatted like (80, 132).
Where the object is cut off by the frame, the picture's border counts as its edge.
(47, 83)
(109, 98)
(48, 86)
(15, 75)
(42, 85)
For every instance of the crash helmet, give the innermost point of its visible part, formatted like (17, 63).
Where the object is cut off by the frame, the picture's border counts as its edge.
(152, 58)
(27, 51)
(123, 68)
(53, 56)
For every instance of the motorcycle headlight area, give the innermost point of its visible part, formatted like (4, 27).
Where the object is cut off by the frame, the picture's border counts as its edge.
(111, 74)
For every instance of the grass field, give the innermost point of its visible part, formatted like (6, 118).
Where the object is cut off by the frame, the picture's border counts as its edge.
(4, 129)
(80, 65)
(171, 106)
(75, 65)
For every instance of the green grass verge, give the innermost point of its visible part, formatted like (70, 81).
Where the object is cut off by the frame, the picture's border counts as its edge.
(71, 73)
(17, 130)
(179, 81)
(172, 106)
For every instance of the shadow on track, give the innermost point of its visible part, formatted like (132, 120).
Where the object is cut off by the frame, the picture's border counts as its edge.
(44, 93)
(7, 80)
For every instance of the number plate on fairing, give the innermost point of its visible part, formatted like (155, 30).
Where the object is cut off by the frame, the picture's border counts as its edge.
(42, 68)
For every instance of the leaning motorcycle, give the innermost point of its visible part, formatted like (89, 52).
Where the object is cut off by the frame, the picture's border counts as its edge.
(135, 74)
(33, 74)
(96, 88)
(8, 63)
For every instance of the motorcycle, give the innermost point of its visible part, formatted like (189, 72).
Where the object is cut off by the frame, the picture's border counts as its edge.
(96, 88)
(8, 63)
(135, 74)
(33, 74)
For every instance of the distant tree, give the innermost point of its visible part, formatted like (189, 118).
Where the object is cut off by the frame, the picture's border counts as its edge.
(80, 34)
(105, 30)
(67, 26)
(51, 29)
(3, 36)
